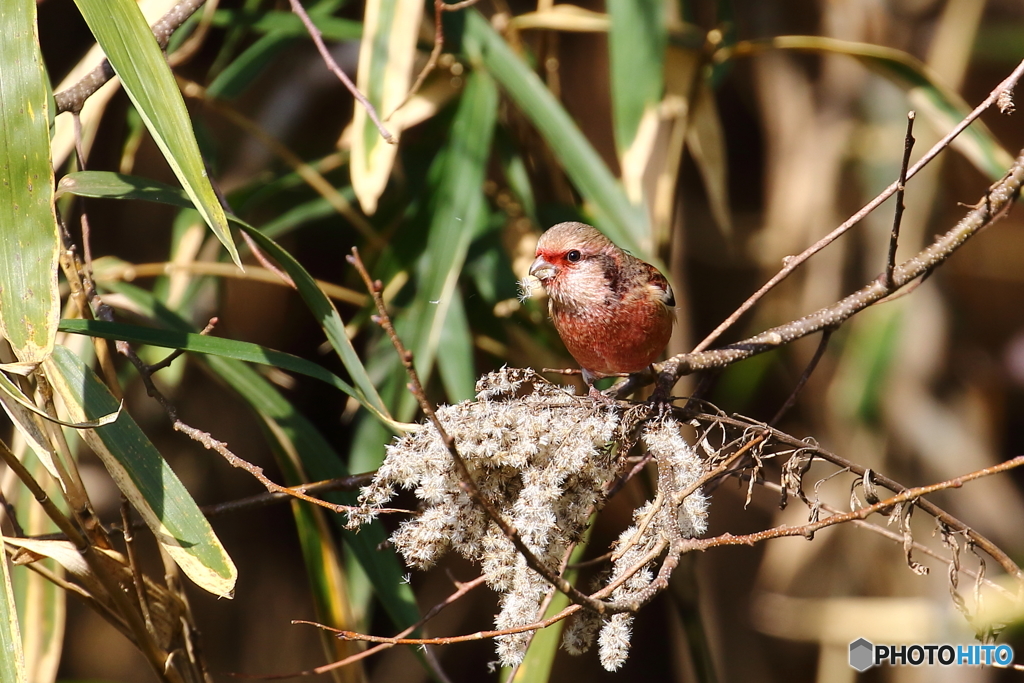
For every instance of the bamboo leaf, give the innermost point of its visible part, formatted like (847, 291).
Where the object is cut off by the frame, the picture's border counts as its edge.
(41, 603)
(104, 184)
(10, 392)
(143, 476)
(458, 207)
(29, 242)
(386, 53)
(319, 460)
(12, 659)
(32, 431)
(128, 42)
(627, 225)
(925, 89)
(199, 343)
(637, 37)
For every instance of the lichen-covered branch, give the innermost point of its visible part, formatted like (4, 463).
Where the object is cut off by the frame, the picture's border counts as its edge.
(993, 206)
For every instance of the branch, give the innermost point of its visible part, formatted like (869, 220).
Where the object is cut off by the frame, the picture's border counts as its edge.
(898, 538)
(994, 551)
(73, 99)
(314, 33)
(207, 441)
(901, 187)
(910, 495)
(536, 626)
(999, 95)
(993, 206)
(461, 589)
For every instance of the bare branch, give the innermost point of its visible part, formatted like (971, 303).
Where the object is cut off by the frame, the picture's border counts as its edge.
(792, 262)
(901, 187)
(993, 206)
(910, 495)
(74, 97)
(314, 33)
(826, 334)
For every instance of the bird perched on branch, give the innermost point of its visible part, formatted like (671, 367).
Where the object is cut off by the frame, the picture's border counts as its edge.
(613, 311)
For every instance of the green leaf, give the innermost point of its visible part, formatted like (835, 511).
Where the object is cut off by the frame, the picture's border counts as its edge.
(627, 225)
(386, 55)
(288, 23)
(12, 659)
(925, 89)
(41, 603)
(319, 460)
(637, 37)
(455, 365)
(104, 184)
(199, 343)
(120, 186)
(458, 207)
(143, 476)
(128, 42)
(233, 81)
(29, 242)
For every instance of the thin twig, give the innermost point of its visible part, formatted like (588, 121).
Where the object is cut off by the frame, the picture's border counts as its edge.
(266, 262)
(910, 495)
(173, 355)
(351, 483)
(536, 626)
(792, 262)
(133, 564)
(901, 188)
(206, 440)
(994, 205)
(891, 535)
(439, 7)
(826, 334)
(314, 33)
(979, 540)
(461, 589)
(73, 98)
(466, 480)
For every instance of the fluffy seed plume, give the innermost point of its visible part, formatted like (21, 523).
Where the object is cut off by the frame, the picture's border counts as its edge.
(543, 458)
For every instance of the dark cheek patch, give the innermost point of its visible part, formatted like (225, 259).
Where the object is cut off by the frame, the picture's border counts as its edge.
(613, 275)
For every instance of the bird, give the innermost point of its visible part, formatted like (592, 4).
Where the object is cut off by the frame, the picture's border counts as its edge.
(613, 311)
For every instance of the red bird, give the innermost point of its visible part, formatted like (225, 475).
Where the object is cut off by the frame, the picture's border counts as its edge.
(613, 311)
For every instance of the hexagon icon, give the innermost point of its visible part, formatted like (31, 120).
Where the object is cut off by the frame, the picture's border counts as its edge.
(862, 654)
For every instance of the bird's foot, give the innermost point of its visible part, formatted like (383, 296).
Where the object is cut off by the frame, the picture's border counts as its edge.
(599, 396)
(661, 398)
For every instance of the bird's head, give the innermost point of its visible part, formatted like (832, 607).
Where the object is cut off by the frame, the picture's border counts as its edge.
(568, 248)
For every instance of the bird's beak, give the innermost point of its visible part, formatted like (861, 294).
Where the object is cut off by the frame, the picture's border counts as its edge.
(542, 270)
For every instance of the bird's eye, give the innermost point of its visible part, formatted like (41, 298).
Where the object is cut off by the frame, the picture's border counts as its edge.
(573, 256)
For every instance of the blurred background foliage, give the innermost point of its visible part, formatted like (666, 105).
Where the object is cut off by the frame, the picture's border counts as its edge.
(689, 133)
